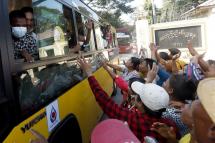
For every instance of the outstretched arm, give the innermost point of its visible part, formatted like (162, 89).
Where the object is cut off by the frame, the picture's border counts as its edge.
(193, 52)
(174, 65)
(89, 26)
(116, 67)
(106, 103)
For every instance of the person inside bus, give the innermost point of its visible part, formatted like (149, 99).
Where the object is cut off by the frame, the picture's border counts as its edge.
(151, 102)
(109, 36)
(28, 11)
(84, 37)
(83, 40)
(24, 44)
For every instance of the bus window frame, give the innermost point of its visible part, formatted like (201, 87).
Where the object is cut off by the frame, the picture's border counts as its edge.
(7, 99)
(6, 51)
(20, 66)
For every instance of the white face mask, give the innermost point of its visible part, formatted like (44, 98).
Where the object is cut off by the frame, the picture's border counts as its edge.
(81, 43)
(19, 32)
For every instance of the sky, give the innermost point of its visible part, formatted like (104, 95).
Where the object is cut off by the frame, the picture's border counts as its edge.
(128, 17)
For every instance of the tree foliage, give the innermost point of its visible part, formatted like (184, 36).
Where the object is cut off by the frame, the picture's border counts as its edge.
(172, 9)
(111, 10)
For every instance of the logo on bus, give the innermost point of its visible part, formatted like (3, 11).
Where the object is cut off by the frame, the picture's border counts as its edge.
(53, 114)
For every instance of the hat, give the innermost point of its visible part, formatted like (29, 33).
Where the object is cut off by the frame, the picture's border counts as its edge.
(153, 96)
(113, 131)
(206, 94)
(193, 72)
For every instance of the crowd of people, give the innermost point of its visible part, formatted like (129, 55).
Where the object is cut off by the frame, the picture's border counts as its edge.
(165, 100)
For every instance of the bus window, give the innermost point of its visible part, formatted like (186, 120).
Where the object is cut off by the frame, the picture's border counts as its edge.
(54, 27)
(99, 39)
(37, 87)
(85, 33)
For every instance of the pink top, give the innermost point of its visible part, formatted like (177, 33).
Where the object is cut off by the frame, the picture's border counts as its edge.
(112, 131)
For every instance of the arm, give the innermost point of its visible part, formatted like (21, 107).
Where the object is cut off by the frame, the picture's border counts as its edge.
(120, 82)
(193, 52)
(26, 55)
(106, 103)
(151, 75)
(76, 48)
(111, 73)
(153, 51)
(174, 65)
(165, 131)
(116, 67)
(39, 138)
(159, 59)
(89, 26)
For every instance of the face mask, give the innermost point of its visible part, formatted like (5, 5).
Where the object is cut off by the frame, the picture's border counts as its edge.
(19, 32)
(81, 43)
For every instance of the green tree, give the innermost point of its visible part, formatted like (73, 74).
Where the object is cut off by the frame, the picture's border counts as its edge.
(172, 9)
(148, 9)
(111, 10)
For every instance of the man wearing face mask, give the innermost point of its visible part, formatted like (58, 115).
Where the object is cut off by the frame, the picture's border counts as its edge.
(24, 44)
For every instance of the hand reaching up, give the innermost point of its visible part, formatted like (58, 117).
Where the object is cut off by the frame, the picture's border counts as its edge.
(164, 130)
(152, 47)
(192, 51)
(39, 138)
(151, 75)
(86, 67)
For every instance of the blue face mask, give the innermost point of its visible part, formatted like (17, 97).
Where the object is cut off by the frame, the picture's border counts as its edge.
(19, 32)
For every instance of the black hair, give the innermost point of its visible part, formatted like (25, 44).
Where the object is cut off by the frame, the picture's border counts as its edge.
(174, 51)
(27, 9)
(211, 62)
(182, 89)
(149, 62)
(156, 114)
(133, 79)
(135, 61)
(164, 55)
(16, 14)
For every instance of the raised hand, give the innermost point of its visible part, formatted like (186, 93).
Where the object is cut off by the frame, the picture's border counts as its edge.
(152, 47)
(39, 138)
(164, 130)
(151, 75)
(192, 51)
(86, 67)
(175, 57)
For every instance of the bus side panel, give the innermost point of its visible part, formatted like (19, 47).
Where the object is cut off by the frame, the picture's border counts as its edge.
(79, 100)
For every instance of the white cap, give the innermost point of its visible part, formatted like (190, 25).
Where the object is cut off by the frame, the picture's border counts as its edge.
(153, 96)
